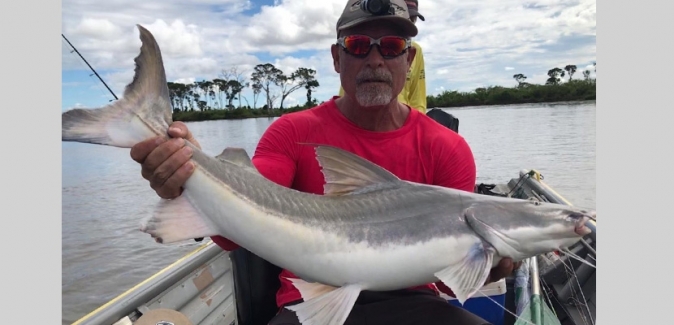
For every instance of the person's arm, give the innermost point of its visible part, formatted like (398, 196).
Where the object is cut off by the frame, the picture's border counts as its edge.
(456, 167)
(275, 159)
(417, 81)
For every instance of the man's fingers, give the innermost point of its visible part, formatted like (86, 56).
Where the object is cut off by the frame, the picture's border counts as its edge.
(505, 267)
(164, 171)
(179, 130)
(141, 150)
(502, 270)
(162, 153)
(173, 185)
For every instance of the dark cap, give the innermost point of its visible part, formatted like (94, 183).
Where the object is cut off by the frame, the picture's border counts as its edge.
(353, 15)
(413, 6)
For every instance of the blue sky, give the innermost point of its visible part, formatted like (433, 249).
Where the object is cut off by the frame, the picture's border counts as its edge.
(466, 44)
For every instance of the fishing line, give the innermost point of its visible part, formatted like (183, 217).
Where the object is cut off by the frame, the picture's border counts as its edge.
(587, 245)
(576, 257)
(90, 67)
(571, 270)
(582, 295)
(548, 294)
(95, 84)
(503, 307)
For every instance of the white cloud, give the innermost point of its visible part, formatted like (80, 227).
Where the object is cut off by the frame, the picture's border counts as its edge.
(466, 44)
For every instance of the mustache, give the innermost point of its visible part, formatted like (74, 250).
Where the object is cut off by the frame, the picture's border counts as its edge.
(374, 75)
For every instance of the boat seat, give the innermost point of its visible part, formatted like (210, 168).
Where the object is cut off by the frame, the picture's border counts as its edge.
(444, 118)
(256, 282)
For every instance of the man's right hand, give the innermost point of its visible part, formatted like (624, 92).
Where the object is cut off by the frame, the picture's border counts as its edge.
(166, 163)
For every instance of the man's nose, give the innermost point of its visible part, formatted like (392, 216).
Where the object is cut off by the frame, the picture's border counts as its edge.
(374, 59)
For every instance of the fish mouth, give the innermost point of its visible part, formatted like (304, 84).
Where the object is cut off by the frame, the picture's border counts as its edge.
(581, 229)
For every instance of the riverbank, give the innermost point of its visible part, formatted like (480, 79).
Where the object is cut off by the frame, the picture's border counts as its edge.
(232, 114)
(575, 90)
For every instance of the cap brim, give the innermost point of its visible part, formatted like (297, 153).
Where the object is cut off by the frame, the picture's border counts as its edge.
(414, 12)
(407, 25)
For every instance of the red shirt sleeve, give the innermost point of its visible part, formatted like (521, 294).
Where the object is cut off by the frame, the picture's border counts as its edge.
(275, 159)
(456, 167)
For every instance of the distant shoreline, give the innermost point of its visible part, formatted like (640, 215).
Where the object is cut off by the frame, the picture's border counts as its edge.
(572, 91)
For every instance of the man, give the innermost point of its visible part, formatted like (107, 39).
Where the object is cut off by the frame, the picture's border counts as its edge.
(414, 92)
(368, 121)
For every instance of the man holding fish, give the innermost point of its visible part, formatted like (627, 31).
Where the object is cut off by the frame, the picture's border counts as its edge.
(372, 55)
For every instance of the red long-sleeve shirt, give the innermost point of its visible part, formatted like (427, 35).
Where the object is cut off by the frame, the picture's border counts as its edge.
(421, 150)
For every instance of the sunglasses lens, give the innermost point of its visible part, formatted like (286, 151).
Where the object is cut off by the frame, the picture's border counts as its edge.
(392, 46)
(389, 46)
(357, 45)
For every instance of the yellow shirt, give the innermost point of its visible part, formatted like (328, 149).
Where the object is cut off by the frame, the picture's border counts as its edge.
(414, 92)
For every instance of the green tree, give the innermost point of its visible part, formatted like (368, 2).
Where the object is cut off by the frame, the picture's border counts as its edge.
(570, 69)
(235, 84)
(520, 79)
(257, 89)
(265, 75)
(310, 85)
(555, 75)
(298, 79)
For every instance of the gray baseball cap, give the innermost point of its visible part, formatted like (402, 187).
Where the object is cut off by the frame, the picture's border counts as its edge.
(353, 15)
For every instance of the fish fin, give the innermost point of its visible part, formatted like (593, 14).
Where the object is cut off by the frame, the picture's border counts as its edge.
(346, 173)
(177, 220)
(331, 308)
(310, 290)
(237, 156)
(470, 274)
(504, 245)
(143, 112)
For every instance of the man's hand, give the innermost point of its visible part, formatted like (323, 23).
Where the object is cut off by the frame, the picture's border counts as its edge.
(504, 268)
(165, 163)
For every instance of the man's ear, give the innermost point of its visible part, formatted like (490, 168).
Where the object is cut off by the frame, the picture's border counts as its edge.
(335, 57)
(411, 53)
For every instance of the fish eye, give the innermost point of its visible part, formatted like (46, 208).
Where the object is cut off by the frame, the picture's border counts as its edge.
(575, 216)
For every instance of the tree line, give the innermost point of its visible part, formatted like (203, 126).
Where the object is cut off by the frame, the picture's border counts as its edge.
(214, 99)
(553, 90)
(220, 93)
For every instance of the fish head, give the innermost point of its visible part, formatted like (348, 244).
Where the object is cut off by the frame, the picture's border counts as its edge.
(524, 228)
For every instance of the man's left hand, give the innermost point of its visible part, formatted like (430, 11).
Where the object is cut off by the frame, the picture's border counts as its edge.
(504, 268)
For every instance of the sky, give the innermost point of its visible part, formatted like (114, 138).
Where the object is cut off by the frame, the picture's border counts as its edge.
(466, 44)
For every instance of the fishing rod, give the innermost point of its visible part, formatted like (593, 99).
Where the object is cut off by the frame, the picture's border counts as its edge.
(92, 69)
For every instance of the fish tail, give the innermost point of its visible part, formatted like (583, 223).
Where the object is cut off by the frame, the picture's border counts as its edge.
(143, 112)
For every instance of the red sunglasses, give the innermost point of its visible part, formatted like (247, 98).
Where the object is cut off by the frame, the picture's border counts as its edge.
(360, 45)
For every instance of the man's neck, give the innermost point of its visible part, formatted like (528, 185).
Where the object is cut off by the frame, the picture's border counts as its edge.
(381, 118)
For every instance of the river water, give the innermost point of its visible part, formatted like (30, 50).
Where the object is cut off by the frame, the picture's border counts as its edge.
(105, 198)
